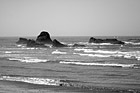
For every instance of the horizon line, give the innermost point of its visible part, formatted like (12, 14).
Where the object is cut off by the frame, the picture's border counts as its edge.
(80, 36)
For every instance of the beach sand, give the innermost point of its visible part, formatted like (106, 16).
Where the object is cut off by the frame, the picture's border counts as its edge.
(20, 87)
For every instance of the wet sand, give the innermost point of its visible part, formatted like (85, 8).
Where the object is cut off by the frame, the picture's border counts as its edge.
(20, 87)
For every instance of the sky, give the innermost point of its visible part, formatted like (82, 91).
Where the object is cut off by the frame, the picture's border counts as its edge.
(70, 17)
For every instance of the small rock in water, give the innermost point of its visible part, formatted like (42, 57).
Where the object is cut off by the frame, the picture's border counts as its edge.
(22, 41)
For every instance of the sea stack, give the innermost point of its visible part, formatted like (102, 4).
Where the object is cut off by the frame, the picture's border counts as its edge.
(44, 38)
(112, 41)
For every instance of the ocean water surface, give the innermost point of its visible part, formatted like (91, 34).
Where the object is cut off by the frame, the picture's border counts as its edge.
(105, 65)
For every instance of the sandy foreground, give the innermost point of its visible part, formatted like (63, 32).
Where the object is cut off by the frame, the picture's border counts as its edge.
(19, 87)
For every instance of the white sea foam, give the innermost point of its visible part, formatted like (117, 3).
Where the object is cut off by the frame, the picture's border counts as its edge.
(82, 49)
(108, 53)
(40, 81)
(86, 43)
(28, 59)
(126, 56)
(100, 51)
(58, 52)
(21, 45)
(99, 64)
(95, 51)
(102, 44)
(29, 48)
(92, 55)
(131, 55)
(8, 52)
(132, 43)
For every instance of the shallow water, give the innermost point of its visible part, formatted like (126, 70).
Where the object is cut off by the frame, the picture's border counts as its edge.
(96, 65)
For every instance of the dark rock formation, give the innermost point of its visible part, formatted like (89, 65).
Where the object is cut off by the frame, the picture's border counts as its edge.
(56, 43)
(93, 40)
(78, 45)
(112, 41)
(134, 40)
(44, 38)
(22, 41)
(33, 43)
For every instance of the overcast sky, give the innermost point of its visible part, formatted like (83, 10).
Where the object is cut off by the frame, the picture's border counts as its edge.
(70, 17)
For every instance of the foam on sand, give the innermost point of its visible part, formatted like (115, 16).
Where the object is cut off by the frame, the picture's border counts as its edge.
(32, 80)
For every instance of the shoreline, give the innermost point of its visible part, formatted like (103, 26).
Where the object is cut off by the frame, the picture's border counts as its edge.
(17, 87)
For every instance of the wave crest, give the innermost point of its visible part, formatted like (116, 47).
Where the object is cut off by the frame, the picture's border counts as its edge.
(109, 53)
(28, 59)
(58, 52)
(100, 64)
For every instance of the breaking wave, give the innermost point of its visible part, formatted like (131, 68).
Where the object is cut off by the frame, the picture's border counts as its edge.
(92, 55)
(10, 52)
(132, 43)
(106, 53)
(96, 51)
(86, 43)
(100, 64)
(20, 45)
(58, 52)
(28, 59)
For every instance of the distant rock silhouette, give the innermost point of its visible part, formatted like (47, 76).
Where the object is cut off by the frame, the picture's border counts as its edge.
(56, 43)
(44, 38)
(78, 45)
(33, 43)
(112, 41)
(134, 40)
(93, 40)
(22, 41)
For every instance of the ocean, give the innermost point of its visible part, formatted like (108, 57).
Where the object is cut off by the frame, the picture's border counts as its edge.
(95, 68)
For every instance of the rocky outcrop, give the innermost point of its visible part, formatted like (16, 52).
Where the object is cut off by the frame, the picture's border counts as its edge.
(56, 43)
(33, 43)
(22, 41)
(134, 40)
(93, 40)
(112, 41)
(78, 45)
(44, 38)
